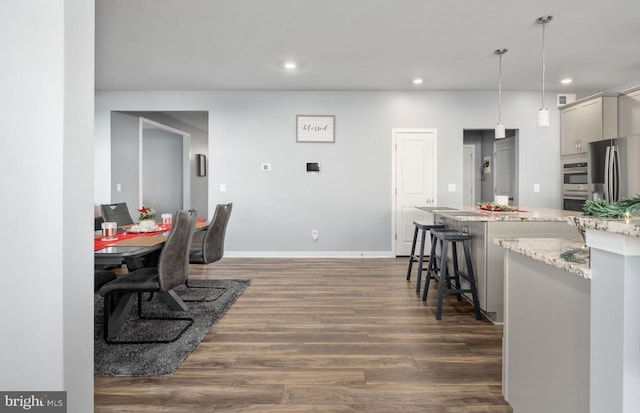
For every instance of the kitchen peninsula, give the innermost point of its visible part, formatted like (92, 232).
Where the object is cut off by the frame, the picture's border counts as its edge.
(571, 328)
(487, 257)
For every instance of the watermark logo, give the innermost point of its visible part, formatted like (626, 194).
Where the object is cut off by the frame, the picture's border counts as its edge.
(30, 401)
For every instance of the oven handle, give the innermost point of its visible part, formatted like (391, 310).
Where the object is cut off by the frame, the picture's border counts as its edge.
(574, 170)
(580, 195)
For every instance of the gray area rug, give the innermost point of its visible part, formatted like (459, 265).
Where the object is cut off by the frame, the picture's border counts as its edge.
(206, 306)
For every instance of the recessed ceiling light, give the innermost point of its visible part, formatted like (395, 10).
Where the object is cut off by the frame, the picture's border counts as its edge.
(566, 81)
(290, 65)
(417, 81)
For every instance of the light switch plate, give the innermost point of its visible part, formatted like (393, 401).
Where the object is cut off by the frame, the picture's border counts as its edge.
(536, 187)
(223, 187)
(452, 187)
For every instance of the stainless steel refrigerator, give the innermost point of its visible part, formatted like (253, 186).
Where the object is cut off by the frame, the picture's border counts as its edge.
(614, 168)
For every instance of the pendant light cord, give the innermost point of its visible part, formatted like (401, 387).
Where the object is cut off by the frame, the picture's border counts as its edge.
(500, 52)
(543, 21)
(500, 89)
(544, 24)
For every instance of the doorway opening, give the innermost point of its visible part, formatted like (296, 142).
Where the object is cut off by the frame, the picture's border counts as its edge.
(132, 182)
(490, 166)
(164, 179)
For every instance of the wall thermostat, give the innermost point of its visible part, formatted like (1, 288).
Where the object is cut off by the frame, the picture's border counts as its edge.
(313, 167)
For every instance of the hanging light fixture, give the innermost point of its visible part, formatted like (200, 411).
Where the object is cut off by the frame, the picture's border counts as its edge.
(500, 132)
(543, 112)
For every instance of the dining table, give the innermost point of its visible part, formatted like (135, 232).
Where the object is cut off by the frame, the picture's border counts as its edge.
(136, 248)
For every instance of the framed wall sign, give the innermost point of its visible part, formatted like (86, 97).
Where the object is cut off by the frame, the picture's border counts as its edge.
(315, 128)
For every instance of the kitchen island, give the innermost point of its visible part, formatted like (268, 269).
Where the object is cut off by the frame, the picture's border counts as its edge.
(545, 354)
(572, 331)
(487, 257)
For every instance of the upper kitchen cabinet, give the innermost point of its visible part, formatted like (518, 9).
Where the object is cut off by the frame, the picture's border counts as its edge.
(629, 107)
(588, 120)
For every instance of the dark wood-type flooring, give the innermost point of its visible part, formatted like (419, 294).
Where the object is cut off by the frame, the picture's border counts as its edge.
(326, 335)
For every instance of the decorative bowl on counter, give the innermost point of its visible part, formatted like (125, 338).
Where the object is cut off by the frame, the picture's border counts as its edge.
(492, 206)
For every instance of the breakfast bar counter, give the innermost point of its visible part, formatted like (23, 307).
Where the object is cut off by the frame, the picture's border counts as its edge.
(476, 214)
(487, 257)
(572, 328)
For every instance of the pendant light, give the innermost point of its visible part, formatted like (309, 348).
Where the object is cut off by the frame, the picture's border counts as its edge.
(500, 132)
(543, 112)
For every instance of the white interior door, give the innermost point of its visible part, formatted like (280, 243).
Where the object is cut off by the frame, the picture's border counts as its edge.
(468, 175)
(415, 177)
(504, 167)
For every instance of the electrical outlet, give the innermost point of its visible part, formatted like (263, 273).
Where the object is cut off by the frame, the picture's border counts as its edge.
(314, 234)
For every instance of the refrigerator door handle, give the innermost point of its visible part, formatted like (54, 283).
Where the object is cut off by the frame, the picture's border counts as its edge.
(615, 173)
(607, 171)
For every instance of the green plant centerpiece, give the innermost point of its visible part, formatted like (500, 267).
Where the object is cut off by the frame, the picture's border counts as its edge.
(601, 208)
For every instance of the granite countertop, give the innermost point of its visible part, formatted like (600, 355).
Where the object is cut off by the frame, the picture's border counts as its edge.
(473, 213)
(548, 251)
(630, 226)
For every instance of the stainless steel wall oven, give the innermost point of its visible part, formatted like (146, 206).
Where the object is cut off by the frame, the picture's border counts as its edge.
(575, 182)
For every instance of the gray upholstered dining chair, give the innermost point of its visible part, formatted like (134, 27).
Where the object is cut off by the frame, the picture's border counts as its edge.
(118, 212)
(172, 271)
(208, 246)
(97, 218)
(101, 277)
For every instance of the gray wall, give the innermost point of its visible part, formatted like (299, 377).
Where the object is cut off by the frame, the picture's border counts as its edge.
(124, 159)
(350, 201)
(125, 155)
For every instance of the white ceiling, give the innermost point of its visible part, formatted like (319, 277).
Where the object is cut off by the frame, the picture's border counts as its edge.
(364, 44)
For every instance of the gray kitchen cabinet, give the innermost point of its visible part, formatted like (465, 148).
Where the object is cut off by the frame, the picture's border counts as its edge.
(588, 120)
(629, 109)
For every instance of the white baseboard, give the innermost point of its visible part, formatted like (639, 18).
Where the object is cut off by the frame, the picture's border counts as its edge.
(309, 254)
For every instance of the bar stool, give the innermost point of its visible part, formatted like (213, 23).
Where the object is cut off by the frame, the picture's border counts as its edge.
(419, 258)
(444, 276)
